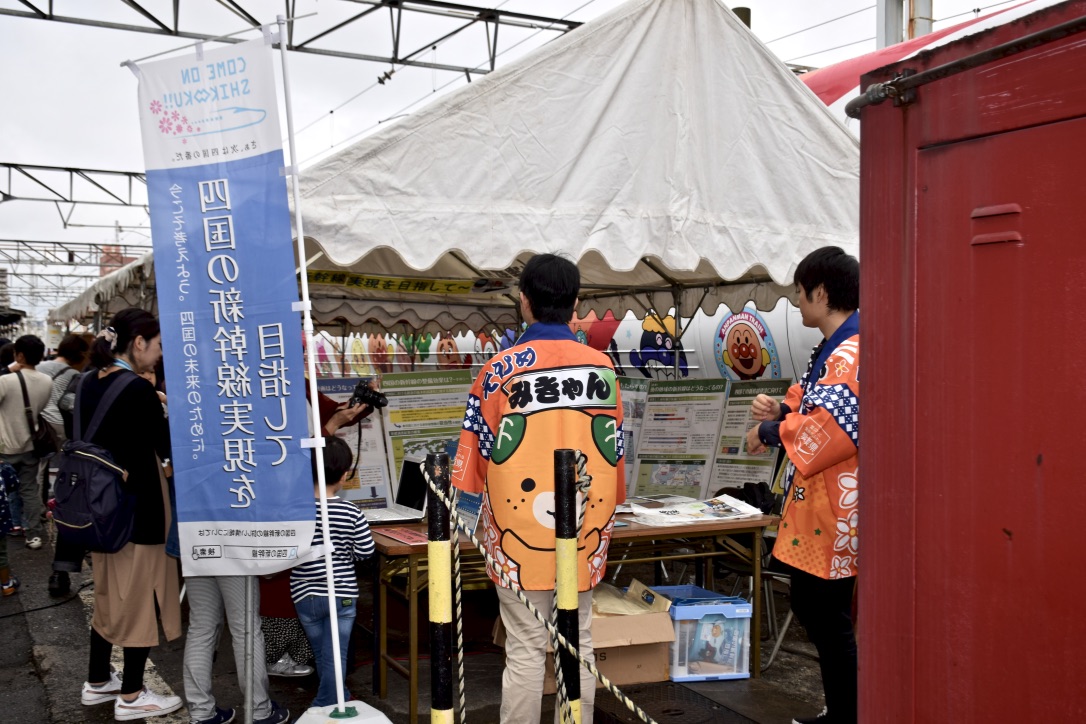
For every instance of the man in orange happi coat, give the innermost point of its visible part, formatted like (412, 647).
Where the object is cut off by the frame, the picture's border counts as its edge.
(818, 426)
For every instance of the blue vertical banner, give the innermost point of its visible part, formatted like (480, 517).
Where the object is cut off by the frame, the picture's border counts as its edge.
(232, 343)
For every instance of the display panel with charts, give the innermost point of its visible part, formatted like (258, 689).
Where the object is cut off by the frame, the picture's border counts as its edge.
(635, 392)
(678, 436)
(369, 486)
(733, 465)
(425, 411)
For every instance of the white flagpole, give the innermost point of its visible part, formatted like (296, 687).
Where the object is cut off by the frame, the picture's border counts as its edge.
(307, 324)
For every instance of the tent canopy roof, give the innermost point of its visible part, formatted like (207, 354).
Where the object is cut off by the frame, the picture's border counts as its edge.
(660, 145)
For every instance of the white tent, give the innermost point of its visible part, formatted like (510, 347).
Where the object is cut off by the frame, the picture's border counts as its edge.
(662, 146)
(133, 285)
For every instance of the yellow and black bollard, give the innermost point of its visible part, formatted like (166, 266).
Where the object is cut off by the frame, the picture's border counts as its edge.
(439, 550)
(566, 577)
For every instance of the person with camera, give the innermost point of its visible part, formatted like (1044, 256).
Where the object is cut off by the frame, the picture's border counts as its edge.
(23, 396)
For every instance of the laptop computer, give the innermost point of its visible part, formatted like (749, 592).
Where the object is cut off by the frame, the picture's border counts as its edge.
(410, 505)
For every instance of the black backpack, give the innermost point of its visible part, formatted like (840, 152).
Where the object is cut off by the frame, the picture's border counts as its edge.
(66, 404)
(92, 509)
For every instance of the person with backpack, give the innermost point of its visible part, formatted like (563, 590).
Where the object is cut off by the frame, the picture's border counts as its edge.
(138, 577)
(23, 395)
(64, 371)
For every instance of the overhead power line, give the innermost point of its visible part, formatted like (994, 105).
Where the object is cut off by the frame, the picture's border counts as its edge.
(976, 11)
(825, 22)
(403, 110)
(826, 50)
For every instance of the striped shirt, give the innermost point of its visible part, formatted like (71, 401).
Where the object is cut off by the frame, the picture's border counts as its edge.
(351, 541)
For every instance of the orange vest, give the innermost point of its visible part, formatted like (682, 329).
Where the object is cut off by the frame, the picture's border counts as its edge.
(528, 401)
(819, 525)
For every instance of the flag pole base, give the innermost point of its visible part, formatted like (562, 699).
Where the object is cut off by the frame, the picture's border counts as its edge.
(354, 712)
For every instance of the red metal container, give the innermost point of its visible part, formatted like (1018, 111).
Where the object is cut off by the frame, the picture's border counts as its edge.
(973, 259)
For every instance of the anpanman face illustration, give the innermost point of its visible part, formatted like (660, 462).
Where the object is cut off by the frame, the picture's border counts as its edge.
(745, 349)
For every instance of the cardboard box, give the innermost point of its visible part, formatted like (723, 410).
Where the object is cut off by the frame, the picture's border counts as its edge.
(644, 639)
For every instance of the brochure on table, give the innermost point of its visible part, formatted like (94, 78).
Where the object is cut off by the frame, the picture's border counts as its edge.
(722, 507)
(678, 437)
(635, 393)
(733, 465)
(370, 484)
(425, 411)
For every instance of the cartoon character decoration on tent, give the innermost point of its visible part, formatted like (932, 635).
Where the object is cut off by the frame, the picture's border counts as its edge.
(655, 357)
(379, 353)
(357, 358)
(744, 348)
(599, 333)
(448, 354)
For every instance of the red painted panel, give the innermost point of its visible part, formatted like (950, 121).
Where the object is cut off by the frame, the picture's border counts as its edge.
(973, 256)
(999, 337)
(886, 584)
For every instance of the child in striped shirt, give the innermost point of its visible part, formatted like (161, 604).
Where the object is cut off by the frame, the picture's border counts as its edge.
(351, 541)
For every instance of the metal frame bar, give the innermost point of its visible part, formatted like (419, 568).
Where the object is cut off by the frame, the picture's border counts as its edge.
(473, 14)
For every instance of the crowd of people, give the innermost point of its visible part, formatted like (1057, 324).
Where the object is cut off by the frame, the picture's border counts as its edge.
(137, 588)
(516, 415)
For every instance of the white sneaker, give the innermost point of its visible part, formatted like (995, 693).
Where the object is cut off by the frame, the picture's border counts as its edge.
(100, 694)
(148, 703)
(286, 666)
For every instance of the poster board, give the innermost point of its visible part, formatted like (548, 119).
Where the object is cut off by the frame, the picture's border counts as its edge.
(678, 436)
(425, 411)
(733, 465)
(635, 393)
(369, 487)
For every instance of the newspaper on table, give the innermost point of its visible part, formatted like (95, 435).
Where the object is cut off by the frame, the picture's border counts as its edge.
(659, 500)
(722, 507)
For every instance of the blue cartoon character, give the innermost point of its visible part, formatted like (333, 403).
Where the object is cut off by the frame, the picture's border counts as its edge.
(656, 356)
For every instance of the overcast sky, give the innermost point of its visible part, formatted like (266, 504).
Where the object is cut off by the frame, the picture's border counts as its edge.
(66, 101)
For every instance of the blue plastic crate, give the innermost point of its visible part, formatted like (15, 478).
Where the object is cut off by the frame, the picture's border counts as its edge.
(712, 634)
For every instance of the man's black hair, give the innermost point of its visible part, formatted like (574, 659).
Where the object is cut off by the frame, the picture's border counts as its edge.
(7, 355)
(551, 283)
(338, 459)
(31, 348)
(73, 348)
(835, 271)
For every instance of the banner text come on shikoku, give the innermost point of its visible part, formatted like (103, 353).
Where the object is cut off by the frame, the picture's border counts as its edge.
(226, 283)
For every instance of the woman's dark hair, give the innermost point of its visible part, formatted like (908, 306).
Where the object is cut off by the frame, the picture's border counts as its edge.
(7, 354)
(127, 324)
(551, 285)
(835, 271)
(73, 348)
(338, 459)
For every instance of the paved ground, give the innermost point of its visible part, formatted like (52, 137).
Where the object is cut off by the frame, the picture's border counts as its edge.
(44, 644)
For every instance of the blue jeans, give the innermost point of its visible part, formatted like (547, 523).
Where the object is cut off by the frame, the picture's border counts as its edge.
(313, 613)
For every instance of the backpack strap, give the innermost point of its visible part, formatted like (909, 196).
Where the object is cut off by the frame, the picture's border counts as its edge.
(114, 391)
(26, 404)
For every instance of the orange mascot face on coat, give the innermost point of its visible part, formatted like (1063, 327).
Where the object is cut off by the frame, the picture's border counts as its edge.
(523, 502)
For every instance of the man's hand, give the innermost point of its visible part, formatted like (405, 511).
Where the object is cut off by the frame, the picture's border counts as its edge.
(754, 444)
(765, 408)
(345, 416)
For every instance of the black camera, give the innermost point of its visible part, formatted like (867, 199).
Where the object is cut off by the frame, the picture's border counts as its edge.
(365, 395)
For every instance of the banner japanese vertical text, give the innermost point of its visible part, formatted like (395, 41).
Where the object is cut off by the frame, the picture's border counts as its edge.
(225, 278)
